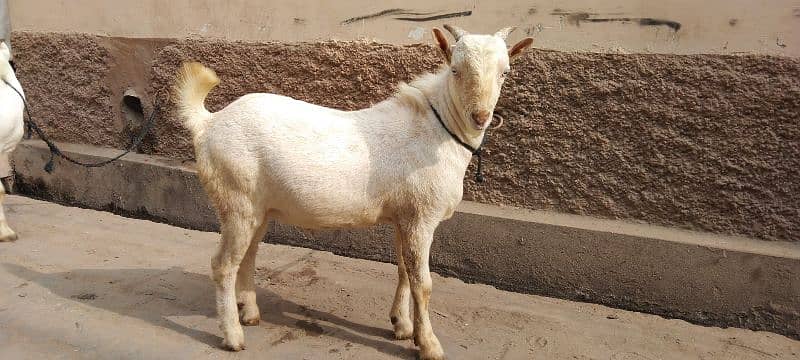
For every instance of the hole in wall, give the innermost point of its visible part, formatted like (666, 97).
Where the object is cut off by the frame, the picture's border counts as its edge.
(132, 109)
(133, 117)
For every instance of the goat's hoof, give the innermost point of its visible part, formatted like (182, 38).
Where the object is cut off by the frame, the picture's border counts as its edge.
(234, 339)
(249, 315)
(251, 321)
(9, 237)
(403, 330)
(403, 335)
(431, 355)
(232, 345)
(432, 350)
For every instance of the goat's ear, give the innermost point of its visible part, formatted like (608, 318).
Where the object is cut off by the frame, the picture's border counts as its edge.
(520, 47)
(444, 46)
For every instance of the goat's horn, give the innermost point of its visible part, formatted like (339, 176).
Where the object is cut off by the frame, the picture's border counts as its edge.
(456, 31)
(503, 33)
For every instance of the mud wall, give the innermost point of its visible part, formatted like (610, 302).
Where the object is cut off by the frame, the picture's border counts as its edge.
(665, 26)
(708, 142)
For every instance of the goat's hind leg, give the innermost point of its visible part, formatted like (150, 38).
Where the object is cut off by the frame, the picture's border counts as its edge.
(401, 314)
(6, 234)
(245, 280)
(239, 226)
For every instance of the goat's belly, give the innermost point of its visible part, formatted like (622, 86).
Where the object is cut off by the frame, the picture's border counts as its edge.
(323, 184)
(315, 216)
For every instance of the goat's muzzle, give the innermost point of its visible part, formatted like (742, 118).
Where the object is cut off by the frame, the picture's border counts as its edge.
(481, 118)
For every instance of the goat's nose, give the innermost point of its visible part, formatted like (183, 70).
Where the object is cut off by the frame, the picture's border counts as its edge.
(481, 117)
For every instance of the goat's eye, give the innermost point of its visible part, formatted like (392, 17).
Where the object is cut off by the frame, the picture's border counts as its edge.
(505, 73)
(454, 71)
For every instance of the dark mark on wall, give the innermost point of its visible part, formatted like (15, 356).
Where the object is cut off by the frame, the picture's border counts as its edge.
(779, 42)
(437, 17)
(796, 12)
(383, 13)
(733, 22)
(674, 25)
(532, 11)
(530, 30)
(299, 21)
(575, 18)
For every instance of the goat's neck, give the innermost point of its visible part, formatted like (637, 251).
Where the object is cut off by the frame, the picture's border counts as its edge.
(7, 77)
(441, 96)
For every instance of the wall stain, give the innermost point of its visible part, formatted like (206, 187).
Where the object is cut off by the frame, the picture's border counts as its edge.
(384, 13)
(674, 25)
(733, 22)
(437, 17)
(577, 17)
(573, 18)
(414, 16)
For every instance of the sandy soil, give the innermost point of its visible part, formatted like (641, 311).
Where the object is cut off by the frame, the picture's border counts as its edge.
(87, 284)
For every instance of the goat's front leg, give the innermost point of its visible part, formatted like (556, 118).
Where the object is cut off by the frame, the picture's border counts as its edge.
(400, 314)
(6, 234)
(245, 280)
(415, 255)
(237, 233)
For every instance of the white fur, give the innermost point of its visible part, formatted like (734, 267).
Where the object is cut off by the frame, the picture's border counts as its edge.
(11, 126)
(269, 156)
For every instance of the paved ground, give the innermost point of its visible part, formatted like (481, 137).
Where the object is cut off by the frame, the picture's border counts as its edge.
(88, 284)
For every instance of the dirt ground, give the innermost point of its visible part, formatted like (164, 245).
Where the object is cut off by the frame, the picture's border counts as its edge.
(87, 284)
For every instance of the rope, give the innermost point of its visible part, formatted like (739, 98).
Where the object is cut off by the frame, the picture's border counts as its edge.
(475, 151)
(54, 150)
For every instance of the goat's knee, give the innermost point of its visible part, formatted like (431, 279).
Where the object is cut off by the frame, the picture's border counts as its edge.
(219, 268)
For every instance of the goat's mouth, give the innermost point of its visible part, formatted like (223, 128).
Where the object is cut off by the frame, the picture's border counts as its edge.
(480, 126)
(477, 126)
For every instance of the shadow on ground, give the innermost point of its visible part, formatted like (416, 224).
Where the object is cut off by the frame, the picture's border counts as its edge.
(155, 295)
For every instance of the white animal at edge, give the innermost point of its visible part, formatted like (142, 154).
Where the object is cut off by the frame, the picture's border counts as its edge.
(270, 156)
(11, 126)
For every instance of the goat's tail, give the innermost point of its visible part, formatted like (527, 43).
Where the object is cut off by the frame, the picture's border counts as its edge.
(194, 83)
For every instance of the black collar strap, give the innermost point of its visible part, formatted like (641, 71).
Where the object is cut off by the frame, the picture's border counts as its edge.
(475, 151)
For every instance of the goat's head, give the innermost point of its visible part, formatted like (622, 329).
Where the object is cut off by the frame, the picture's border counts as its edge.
(478, 67)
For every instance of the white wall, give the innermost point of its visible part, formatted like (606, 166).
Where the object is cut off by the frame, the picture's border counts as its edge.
(712, 26)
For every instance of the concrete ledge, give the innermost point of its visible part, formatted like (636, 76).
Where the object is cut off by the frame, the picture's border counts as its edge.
(702, 278)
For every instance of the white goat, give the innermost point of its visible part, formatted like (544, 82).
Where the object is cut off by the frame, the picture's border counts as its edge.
(11, 128)
(269, 156)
